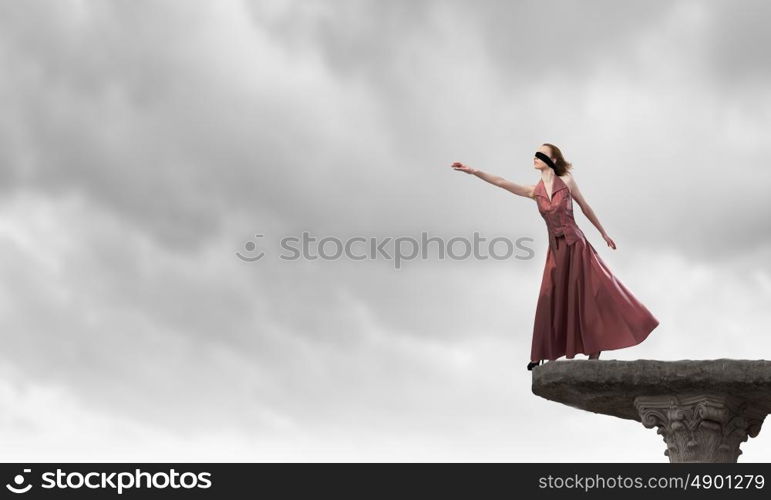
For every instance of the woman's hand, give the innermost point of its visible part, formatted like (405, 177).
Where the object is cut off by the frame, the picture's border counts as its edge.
(462, 168)
(609, 241)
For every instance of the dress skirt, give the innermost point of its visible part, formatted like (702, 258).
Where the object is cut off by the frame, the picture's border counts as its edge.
(582, 308)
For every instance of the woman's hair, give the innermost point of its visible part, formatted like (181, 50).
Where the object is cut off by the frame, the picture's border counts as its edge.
(561, 165)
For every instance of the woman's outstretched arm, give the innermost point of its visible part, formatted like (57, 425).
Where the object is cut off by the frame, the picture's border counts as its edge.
(586, 209)
(519, 189)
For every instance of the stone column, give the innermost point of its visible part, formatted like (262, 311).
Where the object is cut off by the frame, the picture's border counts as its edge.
(701, 427)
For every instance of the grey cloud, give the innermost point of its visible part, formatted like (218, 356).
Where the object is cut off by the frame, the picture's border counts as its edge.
(120, 108)
(738, 36)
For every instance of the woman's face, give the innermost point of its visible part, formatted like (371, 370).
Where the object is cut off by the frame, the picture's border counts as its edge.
(537, 162)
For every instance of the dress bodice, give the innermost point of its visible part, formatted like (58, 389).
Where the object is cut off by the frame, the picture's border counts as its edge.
(558, 212)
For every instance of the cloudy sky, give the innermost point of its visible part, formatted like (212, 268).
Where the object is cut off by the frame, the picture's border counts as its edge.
(145, 145)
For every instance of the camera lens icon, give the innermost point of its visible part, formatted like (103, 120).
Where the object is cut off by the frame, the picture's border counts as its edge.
(18, 480)
(250, 246)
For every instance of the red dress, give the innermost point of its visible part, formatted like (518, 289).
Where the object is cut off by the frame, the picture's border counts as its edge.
(582, 307)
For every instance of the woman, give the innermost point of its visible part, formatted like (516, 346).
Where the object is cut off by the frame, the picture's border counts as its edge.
(582, 307)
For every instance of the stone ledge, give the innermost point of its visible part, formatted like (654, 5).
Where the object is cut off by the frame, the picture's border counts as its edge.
(610, 387)
(704, 409)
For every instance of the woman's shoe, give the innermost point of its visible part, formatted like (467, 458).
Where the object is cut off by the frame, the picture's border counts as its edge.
(595, 355)
(533, 364)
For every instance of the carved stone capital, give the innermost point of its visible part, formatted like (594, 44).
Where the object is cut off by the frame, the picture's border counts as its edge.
(705, 427)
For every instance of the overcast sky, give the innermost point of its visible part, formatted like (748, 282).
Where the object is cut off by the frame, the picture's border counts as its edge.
(143, 144)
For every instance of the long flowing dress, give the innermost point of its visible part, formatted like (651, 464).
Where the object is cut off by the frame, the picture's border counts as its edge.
(582, 307)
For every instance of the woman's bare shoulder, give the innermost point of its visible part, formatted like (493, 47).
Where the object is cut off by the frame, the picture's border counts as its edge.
(568, 180)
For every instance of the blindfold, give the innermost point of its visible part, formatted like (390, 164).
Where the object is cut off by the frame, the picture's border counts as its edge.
(545, 159)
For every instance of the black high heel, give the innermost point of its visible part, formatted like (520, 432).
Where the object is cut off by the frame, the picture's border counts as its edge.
(533, 364)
